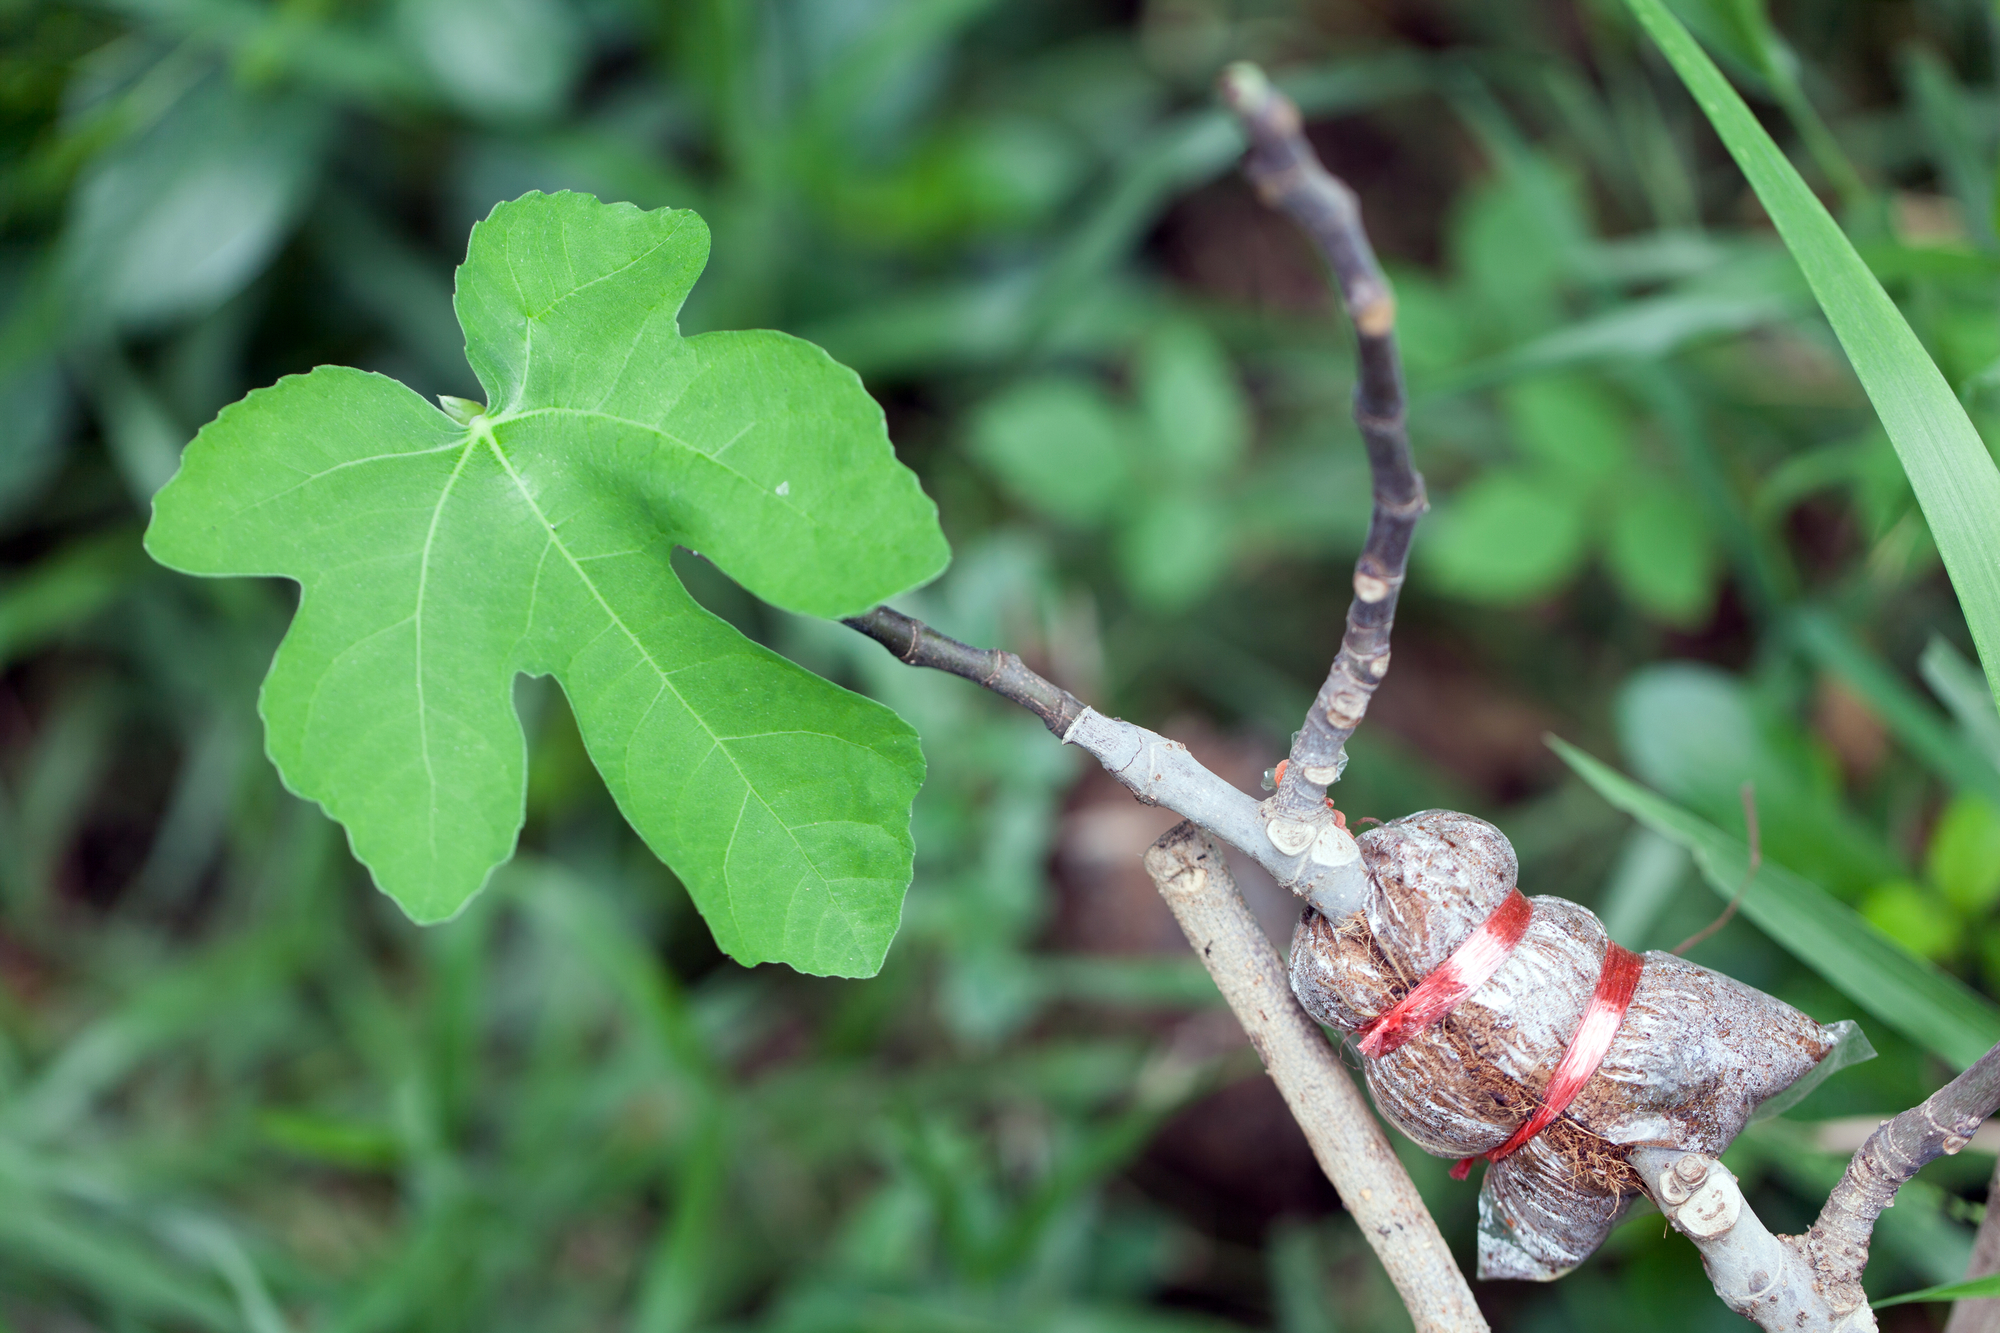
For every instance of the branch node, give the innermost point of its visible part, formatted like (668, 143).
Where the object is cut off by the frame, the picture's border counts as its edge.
(1290, 836)
(1377, 318)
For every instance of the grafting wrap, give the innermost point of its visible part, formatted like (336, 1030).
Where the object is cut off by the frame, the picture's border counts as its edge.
(1470, 964)
(1691, 1056)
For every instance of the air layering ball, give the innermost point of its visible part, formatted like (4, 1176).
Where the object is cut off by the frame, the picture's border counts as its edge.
(1514, 1029)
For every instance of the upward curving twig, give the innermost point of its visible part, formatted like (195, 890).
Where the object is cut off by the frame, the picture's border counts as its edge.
(1288, 175)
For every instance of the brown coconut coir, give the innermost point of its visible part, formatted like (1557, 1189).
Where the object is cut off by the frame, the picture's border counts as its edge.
(1694, 1056)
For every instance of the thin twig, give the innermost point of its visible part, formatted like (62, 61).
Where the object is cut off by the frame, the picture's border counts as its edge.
(1756, 863)
(1288, 175)
(1302, 844)
(1189, 869)
(995, 668)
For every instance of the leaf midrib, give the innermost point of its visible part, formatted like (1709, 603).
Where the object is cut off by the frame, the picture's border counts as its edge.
(523, 414)
(417, 623)
(482, 432)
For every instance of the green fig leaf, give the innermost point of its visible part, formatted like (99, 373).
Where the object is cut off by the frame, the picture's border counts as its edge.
(441, 554)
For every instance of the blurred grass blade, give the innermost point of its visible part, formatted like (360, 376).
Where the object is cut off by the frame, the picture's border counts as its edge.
(1957, 685)
(1973, 1289)
(1950, 469)
(1298, 1280)
(1913, 721)
(1950, 124)
(1936, 1011)
(1742, 29)
(37, 1233)
(676, 1278)
(212, 1240)
(63, 590)
(1649, 871)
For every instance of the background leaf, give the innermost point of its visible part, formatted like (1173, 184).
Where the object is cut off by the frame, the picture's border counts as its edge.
(178, 218)
(1573, 427)
(1658, 550)
(1058, 446)
(1508, 537)
(1969, 1290)
(1698, 735)
(1191, 400)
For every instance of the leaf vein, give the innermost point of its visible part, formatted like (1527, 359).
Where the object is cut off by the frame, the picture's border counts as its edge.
(666, 681)
(417, 616)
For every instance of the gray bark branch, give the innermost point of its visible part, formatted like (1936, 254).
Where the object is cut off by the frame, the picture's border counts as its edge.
(1812, 1283)
(1294, 834)
(1809, 1284)
(1189, 869)
(1805, 1283)
(998, 670)
(1288, 176)
(1982, 1315)
(1943, 1123)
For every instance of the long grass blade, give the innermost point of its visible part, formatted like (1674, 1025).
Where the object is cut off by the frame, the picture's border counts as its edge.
(1938, 1012)
(1953, 475)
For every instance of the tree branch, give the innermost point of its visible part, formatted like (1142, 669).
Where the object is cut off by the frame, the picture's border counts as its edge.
(1293, 835)
(1982, 1315)
(1155, 769)
(1191, 874)
(998, 670)
(1806, 1284)
(1765, 1278)
(1812, 1283)
(1942, 1124)
(1288, 175)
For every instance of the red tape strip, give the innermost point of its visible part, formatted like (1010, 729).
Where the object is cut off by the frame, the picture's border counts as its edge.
(1616, 983)
(1470, 964)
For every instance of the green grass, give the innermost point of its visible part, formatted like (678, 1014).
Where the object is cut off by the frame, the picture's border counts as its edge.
(239, 1091)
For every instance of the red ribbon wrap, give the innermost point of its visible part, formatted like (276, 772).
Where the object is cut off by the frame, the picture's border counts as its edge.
(1617, 980)
(1471, 964)
(1468, 968)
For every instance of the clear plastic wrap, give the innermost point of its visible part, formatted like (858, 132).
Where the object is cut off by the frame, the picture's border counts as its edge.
(1695, 1055)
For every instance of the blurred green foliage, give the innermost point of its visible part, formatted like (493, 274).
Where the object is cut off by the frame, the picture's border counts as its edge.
(239, 1092)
